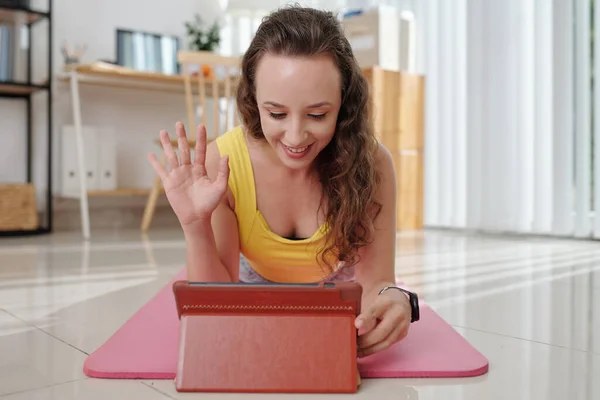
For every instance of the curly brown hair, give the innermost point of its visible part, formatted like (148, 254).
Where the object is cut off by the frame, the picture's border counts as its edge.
(347, 165)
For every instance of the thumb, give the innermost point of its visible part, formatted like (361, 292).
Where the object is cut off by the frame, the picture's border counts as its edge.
(365, 325)
(367, 320)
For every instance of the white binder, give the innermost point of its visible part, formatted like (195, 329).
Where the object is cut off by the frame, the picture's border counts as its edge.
(107, 158)
(99, 158)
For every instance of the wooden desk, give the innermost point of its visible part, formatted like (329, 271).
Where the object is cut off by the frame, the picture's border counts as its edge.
(107, 75)
(119, 77)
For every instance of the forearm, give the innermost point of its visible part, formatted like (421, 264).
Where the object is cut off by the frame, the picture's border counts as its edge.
(203, 262)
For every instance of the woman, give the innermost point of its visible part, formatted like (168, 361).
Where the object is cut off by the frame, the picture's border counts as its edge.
(302, 189)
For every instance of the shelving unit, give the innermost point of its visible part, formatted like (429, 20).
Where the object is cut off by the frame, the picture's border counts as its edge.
(111, 193)
(19, 16)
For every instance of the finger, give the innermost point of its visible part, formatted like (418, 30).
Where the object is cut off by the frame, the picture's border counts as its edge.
(158, 167)
(184, 147)
(200, 150)
(397, 334)
(381, 331)
(169, 152)
(367, 320)
(223, 174)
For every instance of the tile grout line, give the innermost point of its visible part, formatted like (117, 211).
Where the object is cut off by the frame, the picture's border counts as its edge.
(157, 390)
(524, 339)
(45, 332)
(42, 387)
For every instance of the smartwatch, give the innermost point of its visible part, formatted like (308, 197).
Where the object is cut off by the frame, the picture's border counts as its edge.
(413, 299)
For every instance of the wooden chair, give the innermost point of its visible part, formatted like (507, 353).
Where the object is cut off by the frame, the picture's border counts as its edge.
(208, 78)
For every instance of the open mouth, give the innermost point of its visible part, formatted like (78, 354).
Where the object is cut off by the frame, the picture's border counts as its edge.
(296, 152)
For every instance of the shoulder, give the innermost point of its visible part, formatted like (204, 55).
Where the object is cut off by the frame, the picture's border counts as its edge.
(384, 162)
(219, 147)
(229, 140)
(215, 150)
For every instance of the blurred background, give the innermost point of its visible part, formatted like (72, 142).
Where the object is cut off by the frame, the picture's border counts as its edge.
(499, 98)
(507, 103)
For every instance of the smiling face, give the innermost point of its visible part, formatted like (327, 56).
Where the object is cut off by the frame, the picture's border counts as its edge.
(298, 99)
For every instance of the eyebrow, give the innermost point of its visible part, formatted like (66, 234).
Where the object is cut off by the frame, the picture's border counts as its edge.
(316, 105)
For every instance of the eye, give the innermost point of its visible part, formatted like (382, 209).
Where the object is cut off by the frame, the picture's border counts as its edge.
(277, 115)
(317, 116)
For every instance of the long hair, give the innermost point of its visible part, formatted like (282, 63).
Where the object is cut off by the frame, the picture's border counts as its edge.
(346, 166)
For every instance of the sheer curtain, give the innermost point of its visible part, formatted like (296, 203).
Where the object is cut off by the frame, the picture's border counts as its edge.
(510, 137)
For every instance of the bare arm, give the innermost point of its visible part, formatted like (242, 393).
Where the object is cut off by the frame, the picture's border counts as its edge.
(376, 267)
(376, 270)
(212, 247)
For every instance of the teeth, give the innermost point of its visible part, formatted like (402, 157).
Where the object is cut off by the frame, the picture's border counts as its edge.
(297, 150)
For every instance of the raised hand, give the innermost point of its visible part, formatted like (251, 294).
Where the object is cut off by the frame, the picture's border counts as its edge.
(193, 195)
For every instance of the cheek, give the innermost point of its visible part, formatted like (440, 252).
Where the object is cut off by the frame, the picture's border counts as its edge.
(324, 130)
(271, 128)
(324, 135)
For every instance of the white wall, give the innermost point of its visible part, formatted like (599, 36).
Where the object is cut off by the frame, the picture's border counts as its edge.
(136, 115)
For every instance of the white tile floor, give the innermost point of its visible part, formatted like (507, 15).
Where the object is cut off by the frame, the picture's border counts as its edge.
(532, 306)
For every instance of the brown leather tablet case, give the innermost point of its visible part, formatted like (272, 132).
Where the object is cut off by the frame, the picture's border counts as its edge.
(267, 338)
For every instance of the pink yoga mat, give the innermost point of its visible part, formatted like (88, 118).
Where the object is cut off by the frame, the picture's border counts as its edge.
(145, 347)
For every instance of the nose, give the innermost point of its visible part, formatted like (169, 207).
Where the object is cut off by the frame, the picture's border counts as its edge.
(296, 134)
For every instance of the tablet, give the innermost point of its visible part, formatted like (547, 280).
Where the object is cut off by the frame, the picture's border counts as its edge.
(193, 298)
(288, 338)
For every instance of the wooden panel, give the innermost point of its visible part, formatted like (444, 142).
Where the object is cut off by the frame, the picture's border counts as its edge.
(385, 98)
(368, 74)
(411, 93)
(409, 209)
(397, 113)
(388, 102)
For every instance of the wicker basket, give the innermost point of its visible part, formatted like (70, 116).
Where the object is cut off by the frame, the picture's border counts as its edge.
(18, 210)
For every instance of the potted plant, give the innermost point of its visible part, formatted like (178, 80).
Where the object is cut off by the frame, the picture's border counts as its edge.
(203, 38)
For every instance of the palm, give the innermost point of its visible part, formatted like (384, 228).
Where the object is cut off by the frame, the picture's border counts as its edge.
(193, 195)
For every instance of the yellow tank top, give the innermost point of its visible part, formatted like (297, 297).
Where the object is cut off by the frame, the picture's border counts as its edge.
(275, 258)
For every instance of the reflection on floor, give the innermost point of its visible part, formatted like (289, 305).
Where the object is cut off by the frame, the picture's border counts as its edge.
(532, 306)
